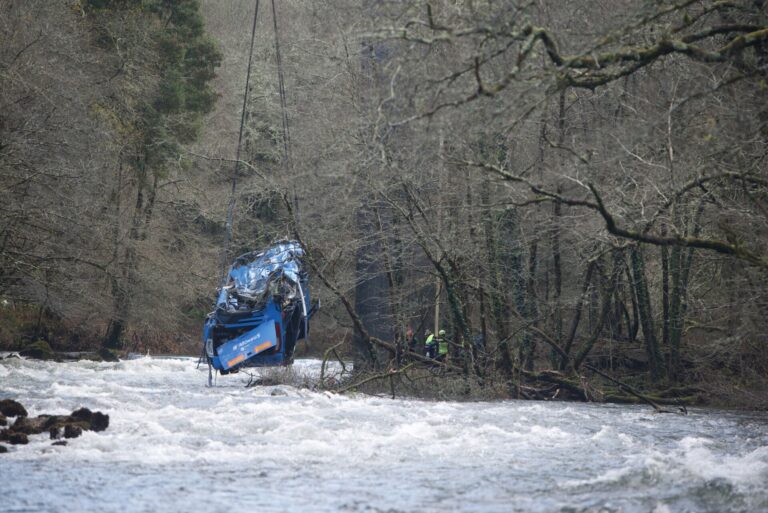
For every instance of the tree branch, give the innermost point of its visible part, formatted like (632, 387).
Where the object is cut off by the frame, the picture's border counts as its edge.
(725, 248)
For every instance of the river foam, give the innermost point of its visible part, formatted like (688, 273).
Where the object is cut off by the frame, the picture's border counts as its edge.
(176, 445)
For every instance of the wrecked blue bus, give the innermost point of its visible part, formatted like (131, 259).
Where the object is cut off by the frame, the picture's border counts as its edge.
(261, 312)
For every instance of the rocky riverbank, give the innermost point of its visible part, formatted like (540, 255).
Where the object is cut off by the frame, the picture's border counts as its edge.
(56, 426)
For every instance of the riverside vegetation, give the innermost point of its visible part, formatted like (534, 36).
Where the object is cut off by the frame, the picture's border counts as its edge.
(577, 196)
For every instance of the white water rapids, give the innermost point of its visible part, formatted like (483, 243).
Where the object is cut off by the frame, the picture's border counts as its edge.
(174, 445)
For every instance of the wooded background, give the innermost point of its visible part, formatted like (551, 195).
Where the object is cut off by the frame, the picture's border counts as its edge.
(555, 183)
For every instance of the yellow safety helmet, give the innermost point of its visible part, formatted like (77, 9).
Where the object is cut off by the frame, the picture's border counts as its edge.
(441, 332)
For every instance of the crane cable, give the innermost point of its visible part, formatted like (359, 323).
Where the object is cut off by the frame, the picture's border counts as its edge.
(284, 110)
(225, 255)
(225, 258)
(288, 157)
(225, 252)
(281, 89)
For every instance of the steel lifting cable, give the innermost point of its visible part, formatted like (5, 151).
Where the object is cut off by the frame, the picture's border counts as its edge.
(281, 89)
(284, 109)
(225, 257)
(287, 148)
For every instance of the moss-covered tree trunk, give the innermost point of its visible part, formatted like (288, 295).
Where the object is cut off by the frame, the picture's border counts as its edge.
(645, 310)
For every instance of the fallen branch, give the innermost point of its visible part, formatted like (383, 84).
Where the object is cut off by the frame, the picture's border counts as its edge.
(558, 379)
(630, 390)
(388, 374)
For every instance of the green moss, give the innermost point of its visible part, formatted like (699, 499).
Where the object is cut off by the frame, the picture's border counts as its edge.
(38, 349)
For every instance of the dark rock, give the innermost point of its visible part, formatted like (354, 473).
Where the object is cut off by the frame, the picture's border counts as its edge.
(3, 420)
(82, 414)
(107, 355)
(32, 426)
(39, 350)
(68, 426)
(11, 408)
(60, 442)
(50, 421)
(3, 449)
(18, 439)
(99, 421)
(72, 431)
(20, 425)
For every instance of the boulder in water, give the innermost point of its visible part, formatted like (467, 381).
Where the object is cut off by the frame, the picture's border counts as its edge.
(31, 426)
(38, 350)
(11, 408)
(108, 355)
(18, 439)
(97, 421)
(72, 431)
(68, 426)
(3, 449)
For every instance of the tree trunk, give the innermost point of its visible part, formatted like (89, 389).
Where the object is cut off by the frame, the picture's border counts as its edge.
(499, 306)
(371, 290)
(557, 271)
(645, 310)
(517, 282)
(577, 315)
(665, 264)
(682, 261)
(609, 287)
(127, 268)
(391, 273)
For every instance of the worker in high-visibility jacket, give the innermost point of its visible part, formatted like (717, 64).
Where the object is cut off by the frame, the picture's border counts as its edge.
(442, 346)
(430, 344)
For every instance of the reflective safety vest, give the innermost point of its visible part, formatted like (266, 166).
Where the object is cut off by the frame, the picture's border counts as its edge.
(442, 346)
(430, 340)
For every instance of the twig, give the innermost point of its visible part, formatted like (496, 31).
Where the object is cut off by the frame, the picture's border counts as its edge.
(325, 362)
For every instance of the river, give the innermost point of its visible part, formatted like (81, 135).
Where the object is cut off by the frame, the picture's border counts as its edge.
(175, 445)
